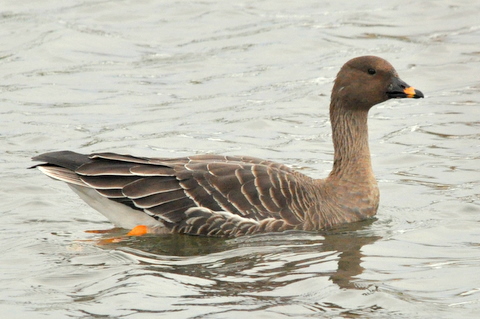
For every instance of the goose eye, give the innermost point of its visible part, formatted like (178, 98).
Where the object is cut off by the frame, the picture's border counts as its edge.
(371, 71)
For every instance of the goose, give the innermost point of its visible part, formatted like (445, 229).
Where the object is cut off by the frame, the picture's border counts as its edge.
(231, 196)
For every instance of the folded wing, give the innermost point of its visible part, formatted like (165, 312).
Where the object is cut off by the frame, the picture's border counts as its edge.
(237, 189)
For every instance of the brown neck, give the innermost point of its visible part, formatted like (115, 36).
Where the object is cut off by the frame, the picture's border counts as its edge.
(350, 141)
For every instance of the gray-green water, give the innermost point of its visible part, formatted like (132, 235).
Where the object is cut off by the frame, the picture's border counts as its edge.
(163, 78)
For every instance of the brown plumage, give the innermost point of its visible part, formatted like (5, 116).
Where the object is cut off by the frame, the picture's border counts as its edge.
(232, 196)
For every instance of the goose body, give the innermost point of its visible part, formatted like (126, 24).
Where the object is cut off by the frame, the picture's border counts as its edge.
(231, 196)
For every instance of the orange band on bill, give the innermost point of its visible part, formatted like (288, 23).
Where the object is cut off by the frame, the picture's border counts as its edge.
(410, 92)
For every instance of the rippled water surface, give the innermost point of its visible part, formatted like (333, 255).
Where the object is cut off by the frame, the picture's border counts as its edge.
(164, 78)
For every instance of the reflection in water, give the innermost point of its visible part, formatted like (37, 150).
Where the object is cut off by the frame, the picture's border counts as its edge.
(348, 242)
(264, 269)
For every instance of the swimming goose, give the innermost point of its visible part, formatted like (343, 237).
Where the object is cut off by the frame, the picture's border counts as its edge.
(229, 196)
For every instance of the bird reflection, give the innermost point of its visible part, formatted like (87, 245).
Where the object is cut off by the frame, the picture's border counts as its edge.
(258, 263)
(348, 241)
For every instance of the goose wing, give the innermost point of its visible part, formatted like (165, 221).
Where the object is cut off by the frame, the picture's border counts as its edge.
(245, 186)
(235, 189)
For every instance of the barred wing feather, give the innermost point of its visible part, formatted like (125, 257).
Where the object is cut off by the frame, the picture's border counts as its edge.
(166, 188)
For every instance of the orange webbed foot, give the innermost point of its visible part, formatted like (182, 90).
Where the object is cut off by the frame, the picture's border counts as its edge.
(103, 231)
(139, 230)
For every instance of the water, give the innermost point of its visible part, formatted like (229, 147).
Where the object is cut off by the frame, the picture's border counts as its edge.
(162, 78)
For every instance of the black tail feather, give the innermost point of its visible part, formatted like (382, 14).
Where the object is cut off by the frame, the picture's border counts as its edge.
(67, 159)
